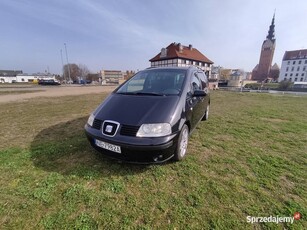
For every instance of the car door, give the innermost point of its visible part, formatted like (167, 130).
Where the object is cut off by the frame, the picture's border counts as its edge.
(205, 87)
(195, 104)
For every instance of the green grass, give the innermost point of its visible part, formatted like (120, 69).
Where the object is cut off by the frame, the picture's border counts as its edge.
(249, 159)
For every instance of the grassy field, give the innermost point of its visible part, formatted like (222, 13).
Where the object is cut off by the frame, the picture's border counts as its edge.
(249, 159)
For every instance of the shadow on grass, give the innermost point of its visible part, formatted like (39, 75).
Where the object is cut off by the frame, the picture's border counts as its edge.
(63, 148)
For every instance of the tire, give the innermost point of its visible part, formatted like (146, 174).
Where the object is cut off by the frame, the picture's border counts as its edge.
(206, 116)
(182, 144)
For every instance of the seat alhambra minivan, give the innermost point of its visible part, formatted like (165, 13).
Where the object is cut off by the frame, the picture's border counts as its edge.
(148, 118)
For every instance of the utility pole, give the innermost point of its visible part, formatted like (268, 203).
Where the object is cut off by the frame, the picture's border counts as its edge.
(67, 63)
(63, 67)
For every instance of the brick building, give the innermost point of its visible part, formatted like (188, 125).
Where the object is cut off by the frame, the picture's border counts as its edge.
(262, 71)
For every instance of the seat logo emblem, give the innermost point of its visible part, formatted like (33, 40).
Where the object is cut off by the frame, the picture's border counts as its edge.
(108, 129)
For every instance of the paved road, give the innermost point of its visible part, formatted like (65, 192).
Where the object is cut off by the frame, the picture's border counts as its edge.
(53, 91)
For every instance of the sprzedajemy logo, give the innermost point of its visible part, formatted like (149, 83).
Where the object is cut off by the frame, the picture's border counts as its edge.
(273, 219)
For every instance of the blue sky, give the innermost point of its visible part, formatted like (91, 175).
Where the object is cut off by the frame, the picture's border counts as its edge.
(125, 34)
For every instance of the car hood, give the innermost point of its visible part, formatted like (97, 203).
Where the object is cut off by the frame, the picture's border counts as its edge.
(137, 109)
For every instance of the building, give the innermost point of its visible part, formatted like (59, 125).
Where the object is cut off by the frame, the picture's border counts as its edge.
(12, 76)
(128, 74)
(262, 70)
(9, 76)
(111, 76)
(34, 78)
(294, 66)
(177, 54)
(235, 79)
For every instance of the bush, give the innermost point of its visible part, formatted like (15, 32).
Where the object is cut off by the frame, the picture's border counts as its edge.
(284, 85)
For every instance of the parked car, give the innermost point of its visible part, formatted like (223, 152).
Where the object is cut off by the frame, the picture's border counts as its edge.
(48, 82)
(149, 117)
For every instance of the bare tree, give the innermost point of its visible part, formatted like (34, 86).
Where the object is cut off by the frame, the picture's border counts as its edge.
(77, 72)
(225, 74)
(83, 71)
(74, 72)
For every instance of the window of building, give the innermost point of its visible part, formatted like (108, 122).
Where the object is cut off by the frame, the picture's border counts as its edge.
(292, 68)
(303, 75)
(286, 75)
(288, 63)
(293, 62)
(304, 68)
(291, 74)
(305, 61)
(298, 68)
(299, 62)
(287, 69)
(290, 79)
(295, 79)
(296, 74)
(285, 79)
(302, 79)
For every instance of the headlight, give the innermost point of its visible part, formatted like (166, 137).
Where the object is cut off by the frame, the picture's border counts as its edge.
(154, 130)
(90, 120)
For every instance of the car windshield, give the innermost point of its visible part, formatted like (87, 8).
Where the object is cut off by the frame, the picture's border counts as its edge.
(155, 82)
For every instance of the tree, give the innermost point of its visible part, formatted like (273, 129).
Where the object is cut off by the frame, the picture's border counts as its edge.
(225, 74)
(76, 72)
(284, 85)
(83, 72)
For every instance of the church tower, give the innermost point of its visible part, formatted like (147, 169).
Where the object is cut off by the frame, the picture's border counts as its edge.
(262, 71)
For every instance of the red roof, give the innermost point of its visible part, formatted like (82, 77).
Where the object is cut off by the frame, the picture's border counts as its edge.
(188, 52)
(295, 54)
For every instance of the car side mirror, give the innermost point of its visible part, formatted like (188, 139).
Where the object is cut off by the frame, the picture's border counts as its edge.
(199, 93)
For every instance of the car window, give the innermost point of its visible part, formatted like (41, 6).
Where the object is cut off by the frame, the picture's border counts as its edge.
(195, 83)
(159, 81)
(203, 78)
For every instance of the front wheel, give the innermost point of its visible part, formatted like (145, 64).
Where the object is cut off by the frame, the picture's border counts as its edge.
(182, 144)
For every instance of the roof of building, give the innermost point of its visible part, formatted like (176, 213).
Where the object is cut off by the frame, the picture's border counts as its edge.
(295, 54)
(176, 50)
(271, 33)
(10, 72)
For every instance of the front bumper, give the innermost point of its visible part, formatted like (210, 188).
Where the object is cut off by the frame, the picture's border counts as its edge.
(134, 149)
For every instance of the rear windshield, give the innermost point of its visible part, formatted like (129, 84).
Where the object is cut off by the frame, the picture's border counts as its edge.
(155, 82)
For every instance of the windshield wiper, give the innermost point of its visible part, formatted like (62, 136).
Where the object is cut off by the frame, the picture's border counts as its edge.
(149, 93)
(141, 93)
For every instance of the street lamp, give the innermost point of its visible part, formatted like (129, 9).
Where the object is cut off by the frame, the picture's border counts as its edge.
(67, 63)
(63, 67)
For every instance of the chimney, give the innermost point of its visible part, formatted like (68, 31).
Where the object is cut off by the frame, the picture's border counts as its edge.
(180, 47)
(190, 47)
(163, 52)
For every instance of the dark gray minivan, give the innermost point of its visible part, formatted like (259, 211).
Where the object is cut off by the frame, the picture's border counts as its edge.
(148, 118)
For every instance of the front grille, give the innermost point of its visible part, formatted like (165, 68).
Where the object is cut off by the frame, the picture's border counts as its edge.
(126, 130)
(129, 130)
(97, 124)
(109, 128)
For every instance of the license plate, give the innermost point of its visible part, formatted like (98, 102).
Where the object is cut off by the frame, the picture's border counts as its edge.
(108, 146)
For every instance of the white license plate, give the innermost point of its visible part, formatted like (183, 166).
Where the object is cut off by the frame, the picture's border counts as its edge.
(108, 146)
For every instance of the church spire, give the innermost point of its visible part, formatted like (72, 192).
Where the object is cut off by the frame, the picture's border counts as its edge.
(271, 34)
